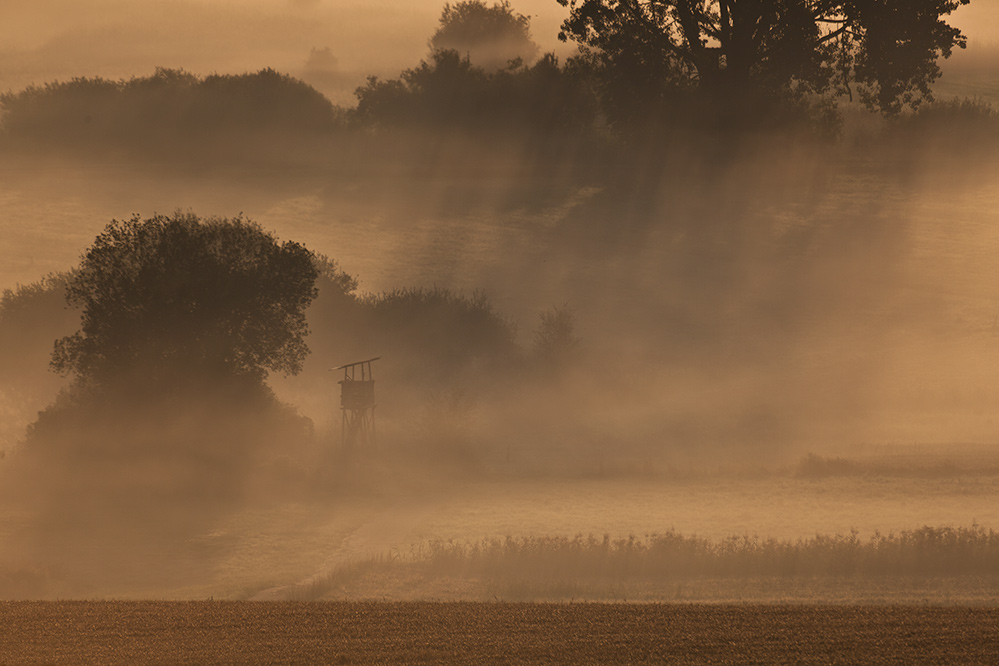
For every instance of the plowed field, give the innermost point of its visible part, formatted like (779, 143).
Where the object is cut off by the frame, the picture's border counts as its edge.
(450, 633)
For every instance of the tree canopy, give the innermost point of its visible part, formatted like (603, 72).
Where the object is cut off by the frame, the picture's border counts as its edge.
(491, 37)
(154, 115)
(179, 296)
(740, 50)
(451, 92)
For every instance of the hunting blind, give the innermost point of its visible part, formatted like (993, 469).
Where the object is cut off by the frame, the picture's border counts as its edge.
(357, 405)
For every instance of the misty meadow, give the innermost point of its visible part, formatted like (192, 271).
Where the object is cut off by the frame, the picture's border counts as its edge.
(671, 301)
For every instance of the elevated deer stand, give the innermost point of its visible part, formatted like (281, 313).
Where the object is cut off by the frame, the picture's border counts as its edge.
(357, 405)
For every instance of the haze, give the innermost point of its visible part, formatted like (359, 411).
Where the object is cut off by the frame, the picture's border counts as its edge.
(52, 39)
(777, 338)
(56, 39)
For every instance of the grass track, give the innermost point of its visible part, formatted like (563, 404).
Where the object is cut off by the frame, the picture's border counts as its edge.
(212, 632)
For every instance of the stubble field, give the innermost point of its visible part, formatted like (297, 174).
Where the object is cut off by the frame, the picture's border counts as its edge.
(212, 632)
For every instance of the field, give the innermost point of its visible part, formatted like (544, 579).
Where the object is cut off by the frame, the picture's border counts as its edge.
(410, 541)
(210, 632)
(769, 438)
(735, 316)
(855, 319)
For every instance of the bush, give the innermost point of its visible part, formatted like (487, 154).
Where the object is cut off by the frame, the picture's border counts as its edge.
(165, 114)
(451, 92)
(437, 330)
(31, 317)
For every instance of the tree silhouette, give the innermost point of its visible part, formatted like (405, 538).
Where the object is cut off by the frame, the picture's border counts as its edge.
(169, 114)
(741, 53)
(170, 297)
(450, 92)
(491, 37)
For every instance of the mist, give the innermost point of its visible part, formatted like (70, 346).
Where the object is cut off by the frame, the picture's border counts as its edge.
(55, 40)
(750, 323)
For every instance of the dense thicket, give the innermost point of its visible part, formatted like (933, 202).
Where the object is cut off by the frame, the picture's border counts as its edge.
(170, 111)
(644, 69)
(451, 92)
(428, 336)
(31, 317)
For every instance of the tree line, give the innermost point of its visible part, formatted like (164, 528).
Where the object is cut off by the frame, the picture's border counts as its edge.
(670, 65)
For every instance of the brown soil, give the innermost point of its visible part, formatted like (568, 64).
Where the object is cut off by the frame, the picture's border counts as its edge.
(211, 632)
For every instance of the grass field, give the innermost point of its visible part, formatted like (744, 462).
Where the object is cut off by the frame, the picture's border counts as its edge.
(818, 303)
(775, 538)
(209, 633)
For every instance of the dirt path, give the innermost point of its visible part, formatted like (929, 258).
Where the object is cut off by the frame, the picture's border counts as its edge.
(390, 531)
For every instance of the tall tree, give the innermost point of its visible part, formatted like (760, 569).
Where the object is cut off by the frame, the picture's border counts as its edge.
(736, 50)
(172, 297)
(491, 36)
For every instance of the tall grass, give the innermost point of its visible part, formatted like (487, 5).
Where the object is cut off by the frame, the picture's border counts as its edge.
(935, 562)
(927, 551)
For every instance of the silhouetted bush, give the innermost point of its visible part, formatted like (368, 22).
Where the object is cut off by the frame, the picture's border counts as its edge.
(450, 92)
(437, 330)
(31, 317)
(167, 113)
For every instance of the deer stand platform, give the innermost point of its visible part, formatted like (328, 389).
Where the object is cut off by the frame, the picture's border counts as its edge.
(357, 406)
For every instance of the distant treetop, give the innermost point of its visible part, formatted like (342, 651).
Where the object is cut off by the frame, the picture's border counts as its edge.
(491, 37)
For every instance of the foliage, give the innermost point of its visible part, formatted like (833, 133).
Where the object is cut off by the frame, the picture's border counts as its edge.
(439, 329)
(159, 112)
(451, 92)
(172, 295)
(744, 59)
(332, 277)
(491, 37)
(30, 316)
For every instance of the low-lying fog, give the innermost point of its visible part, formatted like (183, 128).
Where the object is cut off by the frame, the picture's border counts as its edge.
(770, 331)
(48, 40)
(57, 39)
